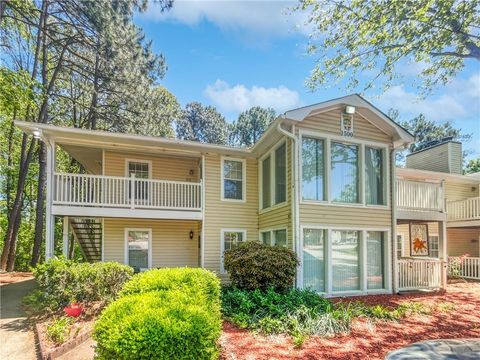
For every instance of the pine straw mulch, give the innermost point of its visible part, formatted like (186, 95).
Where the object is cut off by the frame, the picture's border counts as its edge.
(13, 277)
(459, 319)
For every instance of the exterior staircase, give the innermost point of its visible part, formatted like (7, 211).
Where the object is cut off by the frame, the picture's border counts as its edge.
(88, 234)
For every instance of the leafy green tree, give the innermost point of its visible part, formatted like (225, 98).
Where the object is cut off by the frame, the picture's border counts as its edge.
(251, 125)
(355, 37)
(202, 123)
(473, 166)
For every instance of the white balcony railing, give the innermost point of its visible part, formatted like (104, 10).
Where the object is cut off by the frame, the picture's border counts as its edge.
(416, 195)
(414, 274)
(467, 209)
(124, 192)
(464, 266)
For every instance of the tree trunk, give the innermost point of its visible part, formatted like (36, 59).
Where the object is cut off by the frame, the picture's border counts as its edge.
(9, 180)
(13, 245)
(39, 213)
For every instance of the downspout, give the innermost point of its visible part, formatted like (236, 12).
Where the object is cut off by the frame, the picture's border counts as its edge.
(394, 219)
(294, 191)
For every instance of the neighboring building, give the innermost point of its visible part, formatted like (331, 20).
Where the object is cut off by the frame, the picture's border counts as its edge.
(319, 181)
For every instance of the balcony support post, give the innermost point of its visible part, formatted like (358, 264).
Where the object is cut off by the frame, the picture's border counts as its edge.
(132, 191)
(49, 217)
(443, 254)
(66, 243)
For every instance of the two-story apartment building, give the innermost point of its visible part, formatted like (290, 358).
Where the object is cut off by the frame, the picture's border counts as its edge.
(320, 181)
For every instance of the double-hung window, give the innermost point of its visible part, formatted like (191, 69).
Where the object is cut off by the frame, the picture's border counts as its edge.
(230, 240)
(233, 187)
(375, 260)
(138, 248)
(280, 174)
(345, 260)
(266, 182)
(276, 237)
(374, 176)
(314, 259)
(433, 246)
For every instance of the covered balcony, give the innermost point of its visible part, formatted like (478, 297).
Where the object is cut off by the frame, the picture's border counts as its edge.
(464, 212)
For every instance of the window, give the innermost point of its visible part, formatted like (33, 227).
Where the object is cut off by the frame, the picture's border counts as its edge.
(312, 169)
(266, 188)
(233, 179)
(274, 237)
(138, 249)
(345, 256)
(399, 245)
(344, 173)
(280, 174)
(230, 240)
(141, 170)
(374, 175)
(375, 260)
(433, 246)
(314, 259)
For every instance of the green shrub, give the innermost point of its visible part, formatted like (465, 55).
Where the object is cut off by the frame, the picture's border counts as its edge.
(253, 265)
(162, 314)
(62, 281)
(198, 282)
(59, 329)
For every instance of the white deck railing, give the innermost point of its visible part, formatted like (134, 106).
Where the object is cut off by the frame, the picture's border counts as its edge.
(416, 274)
(124, 192)
(468, 209)
(464, 266)
(417, 195)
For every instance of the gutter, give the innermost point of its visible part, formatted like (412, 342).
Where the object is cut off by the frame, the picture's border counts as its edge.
(394, 221)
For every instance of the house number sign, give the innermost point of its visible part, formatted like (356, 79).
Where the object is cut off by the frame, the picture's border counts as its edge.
(346, 125)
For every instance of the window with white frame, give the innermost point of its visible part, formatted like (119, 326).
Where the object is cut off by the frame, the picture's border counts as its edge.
(433, 246)
(313, 169)
(339, 172)
(138, 248)
(374, 176)
(273, 171)
(277, 237)
(231, 238)
(344, 173)
(233, 176)
(357, 260)
(314, 259)
(399, 246)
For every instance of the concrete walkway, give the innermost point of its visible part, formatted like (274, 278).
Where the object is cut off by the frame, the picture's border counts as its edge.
(17, 340)
(458, 349)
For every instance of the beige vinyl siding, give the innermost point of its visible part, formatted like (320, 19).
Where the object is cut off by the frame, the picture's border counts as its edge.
(460, 191)
(404, 229)
(279, 216)
(163, 167)
(171, 243)
(463, 241)
(227, 214)
(329, 122)
(445, 158)
(456, 158)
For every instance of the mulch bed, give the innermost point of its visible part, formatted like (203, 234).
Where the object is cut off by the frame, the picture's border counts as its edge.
(13, 277)
(369, 340)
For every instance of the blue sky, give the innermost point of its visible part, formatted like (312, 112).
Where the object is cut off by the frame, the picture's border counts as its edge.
(238, 54)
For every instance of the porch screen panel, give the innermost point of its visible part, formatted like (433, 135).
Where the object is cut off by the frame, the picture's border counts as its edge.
(344, 173)
(314, 259)
(375, 260)
(138, 249)
(345, 265)
(374, 174)
(313, 169)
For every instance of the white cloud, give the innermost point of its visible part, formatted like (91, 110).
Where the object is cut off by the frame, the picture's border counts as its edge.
(459, 100)
(263, 18)
(239, 98)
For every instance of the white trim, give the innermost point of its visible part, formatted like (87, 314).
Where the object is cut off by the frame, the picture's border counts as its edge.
(402, 240)
(149, 257)
(244, 179)
(222, 244)
(202, 240)
(49, 216)
(362, 257)
(141, 161)
(361, 145)
(271, 230)
(65, 237)
(103, 239)
(271, 153)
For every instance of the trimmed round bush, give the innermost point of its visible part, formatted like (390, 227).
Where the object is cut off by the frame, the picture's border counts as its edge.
(157, 325)
(198, 282)
(162, 314)
(253, 265)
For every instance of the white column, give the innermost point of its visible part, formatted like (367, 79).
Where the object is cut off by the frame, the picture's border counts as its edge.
(65, 237)
(202, 238)
(50, 218)
(363, 273)
(442, 225)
